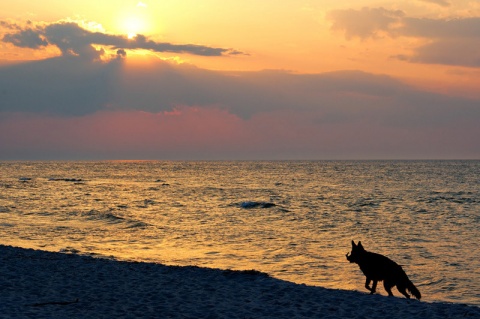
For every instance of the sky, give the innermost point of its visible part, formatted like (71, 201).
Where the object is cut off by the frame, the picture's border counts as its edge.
(239, 80)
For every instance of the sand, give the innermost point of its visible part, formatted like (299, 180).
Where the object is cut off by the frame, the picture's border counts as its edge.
(39, 284)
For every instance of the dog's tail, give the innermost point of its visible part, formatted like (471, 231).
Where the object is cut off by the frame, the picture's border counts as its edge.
(413, 290)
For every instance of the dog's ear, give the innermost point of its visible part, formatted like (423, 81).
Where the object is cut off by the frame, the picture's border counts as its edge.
(360, 246)
(353, 245)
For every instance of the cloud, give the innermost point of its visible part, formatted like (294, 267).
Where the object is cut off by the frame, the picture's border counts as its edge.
(450, 42)
(366, 22)
(77, 87)
(121, 53)
(446, 52)
(26, 39)
(74, 86)
(438, 34)
(441, 28)
(98, 110)
(442, 3)
(73, 39)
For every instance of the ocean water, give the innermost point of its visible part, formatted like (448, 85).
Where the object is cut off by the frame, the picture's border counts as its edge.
(292, 219)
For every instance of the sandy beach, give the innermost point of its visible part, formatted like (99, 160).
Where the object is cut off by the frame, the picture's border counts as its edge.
(39, 284)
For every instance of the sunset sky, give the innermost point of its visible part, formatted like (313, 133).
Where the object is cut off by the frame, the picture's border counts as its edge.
(211, 79)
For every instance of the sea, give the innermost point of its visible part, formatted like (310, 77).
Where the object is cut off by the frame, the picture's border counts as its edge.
(294, 220)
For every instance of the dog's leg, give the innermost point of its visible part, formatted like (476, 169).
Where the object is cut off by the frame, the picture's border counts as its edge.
(374, 287)
(367, 285)
(403, 291)
(388, 287)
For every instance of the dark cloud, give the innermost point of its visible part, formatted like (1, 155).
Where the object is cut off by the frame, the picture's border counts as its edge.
(28, 38)
(441, 28)
(121, 53)
(455, 52)
(69, 107)
(78, 87)
(63, 86)
(72, 39)
(451, 41)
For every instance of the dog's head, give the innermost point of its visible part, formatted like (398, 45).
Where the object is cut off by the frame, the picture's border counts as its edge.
(357, 251)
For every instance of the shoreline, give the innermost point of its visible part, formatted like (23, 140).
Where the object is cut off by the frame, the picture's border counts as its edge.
(41, 284)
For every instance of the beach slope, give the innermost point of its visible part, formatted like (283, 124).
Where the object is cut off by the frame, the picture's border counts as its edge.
(39, 284)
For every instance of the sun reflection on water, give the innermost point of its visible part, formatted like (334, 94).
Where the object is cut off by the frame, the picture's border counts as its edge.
(191, 213)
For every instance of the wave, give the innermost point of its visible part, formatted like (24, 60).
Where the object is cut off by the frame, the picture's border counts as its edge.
(111, 218)
(75, 180)
(4, 209)
(255, 204)
(96, 215)
(138, 224)
(453, 197)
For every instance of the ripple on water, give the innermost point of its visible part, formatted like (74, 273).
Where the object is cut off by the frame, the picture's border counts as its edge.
(294, 220)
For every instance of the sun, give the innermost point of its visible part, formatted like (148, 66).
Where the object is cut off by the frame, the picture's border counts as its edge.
(133, 25)
(132, 21)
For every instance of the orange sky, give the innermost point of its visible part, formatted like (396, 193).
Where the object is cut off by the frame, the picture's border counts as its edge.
(302, 36)
(431, 45)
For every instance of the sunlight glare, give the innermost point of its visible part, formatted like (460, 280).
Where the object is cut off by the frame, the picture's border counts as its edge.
(134, 25)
